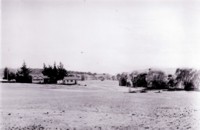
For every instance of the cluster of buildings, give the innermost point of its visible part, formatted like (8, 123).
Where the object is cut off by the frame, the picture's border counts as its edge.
(72, 78)
(69, 80)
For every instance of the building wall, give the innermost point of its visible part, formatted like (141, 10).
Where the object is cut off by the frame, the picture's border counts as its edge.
(37, 80)
(69, 81)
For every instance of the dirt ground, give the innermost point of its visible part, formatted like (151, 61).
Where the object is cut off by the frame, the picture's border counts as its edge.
(95, 105)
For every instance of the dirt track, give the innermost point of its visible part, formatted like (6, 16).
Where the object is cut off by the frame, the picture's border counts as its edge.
(99, 105)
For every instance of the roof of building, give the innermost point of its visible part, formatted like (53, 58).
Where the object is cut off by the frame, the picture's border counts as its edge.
(71, 78)
(40, 76)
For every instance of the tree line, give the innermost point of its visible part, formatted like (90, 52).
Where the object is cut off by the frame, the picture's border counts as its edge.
(183, 78)
(23, 75)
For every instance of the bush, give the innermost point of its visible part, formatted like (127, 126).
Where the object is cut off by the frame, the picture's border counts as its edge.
(171, 83)
(196, 80)
(139, 80)
(156, 80)
(189, 77)
(123, 80)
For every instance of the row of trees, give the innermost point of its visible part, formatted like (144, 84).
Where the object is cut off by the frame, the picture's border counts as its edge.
(22, 75)
(54, 72)
(188, 79)
(8, 75)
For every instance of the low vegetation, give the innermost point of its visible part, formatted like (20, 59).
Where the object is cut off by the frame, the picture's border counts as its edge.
(182, 79)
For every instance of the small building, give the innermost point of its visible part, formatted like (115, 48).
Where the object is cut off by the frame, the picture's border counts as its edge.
(38, 78)
(70, 80)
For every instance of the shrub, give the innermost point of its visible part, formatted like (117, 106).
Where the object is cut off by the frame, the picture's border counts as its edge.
(171, 82)
(123, 80)
(156, 80)
(139, 80)
(189, 77)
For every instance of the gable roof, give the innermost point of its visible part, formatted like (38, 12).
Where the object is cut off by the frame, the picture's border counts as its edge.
(71, 78)
(38, 76)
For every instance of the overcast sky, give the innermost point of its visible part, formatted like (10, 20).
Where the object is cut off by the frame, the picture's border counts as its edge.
(101, 35)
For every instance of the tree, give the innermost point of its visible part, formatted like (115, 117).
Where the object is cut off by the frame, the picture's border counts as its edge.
(156, 79)
(62, 72)
(139, 80)
(171, 82)
(8, 75)
(123, 80)
(118, 76)
(188, 77)
(23, 75)
(54, 73)
(48, 71)
(5, 73)
(11, 76)
(183, 74)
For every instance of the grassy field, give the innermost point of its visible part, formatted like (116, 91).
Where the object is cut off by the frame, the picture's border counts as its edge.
(96, 105)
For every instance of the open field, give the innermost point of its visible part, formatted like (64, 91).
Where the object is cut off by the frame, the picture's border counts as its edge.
(99, 105)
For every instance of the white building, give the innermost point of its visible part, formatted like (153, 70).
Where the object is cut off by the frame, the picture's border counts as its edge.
(70, 80)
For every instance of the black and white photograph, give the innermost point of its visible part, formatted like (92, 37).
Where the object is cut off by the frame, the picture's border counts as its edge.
(100, 65)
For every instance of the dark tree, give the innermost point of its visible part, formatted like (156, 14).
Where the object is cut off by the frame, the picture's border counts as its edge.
(123, 80)
(5, 73)
(62, 72)
(11, 76)
(23, 75)
(8, 75)
(54, 73)
(140, 80)
(48, 71)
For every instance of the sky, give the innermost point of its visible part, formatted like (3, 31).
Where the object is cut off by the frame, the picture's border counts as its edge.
(103, 36)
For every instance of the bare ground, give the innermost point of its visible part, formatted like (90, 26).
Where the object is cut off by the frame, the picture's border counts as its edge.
(99, 105)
